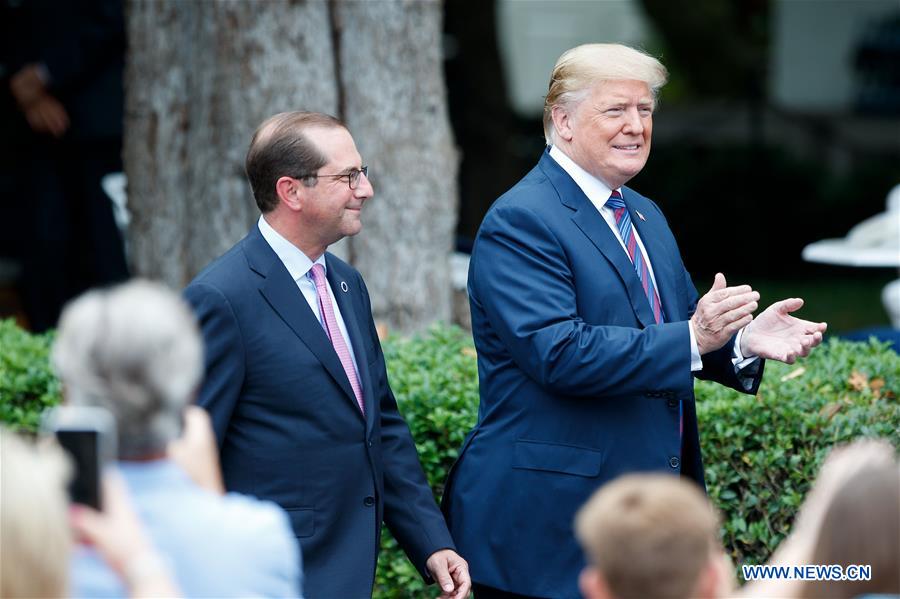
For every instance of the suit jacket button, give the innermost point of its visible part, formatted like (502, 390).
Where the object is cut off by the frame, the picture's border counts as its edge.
(369, 501)
(672, 403)
(674, 462)
(371, 443)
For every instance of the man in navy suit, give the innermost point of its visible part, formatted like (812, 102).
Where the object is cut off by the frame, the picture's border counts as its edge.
(589, 333)
(295, 378)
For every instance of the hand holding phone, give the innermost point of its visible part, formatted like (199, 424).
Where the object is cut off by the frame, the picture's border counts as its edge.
(88, 435)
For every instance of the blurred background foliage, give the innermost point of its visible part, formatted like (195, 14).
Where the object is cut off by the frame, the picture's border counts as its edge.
(27, 384)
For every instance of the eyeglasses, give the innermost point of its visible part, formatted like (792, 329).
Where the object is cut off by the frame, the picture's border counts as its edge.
(352, 176)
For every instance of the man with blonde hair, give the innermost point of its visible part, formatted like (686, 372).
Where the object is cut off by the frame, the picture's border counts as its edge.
(651, 535)
(589, 333)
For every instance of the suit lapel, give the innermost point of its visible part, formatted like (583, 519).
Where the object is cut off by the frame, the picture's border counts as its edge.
(591, 223)
(282, 294)
(658, 256)
(345, 292)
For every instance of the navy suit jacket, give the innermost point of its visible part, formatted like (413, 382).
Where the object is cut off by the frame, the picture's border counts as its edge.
(288, 425)
(578, 383)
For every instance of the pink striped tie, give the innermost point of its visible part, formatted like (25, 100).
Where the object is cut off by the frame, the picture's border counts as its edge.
(334, 333)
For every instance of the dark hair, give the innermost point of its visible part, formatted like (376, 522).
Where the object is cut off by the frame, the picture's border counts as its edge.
(279, 148)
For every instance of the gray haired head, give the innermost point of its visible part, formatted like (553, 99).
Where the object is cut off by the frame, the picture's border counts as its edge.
(135, 350)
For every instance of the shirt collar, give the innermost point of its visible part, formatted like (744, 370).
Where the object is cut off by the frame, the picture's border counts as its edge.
(296, 262)
(596, 190)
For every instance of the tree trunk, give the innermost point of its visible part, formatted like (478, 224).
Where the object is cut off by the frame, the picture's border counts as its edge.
(395, 104)
(202, 75)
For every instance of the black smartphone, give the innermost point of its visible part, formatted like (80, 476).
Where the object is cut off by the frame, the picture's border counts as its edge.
(88, 435)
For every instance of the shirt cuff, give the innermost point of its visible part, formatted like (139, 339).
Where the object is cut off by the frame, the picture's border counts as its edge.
(696, 360)
(739, 360)
(746, 368)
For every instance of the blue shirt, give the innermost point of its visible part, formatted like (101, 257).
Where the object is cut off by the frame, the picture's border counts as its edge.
(216, 546)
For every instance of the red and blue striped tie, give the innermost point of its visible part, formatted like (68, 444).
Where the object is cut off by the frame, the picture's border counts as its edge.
(626, 231)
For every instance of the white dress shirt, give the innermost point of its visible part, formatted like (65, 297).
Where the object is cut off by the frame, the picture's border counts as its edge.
(598, 193)
(300, 266)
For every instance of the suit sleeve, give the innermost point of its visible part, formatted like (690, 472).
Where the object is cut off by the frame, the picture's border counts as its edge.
(523, 280)
(223, 354)
(410, 510)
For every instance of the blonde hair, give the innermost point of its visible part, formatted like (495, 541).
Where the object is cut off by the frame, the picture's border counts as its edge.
(649, 535)
(580, 68)
(861, 526)
(35, 544)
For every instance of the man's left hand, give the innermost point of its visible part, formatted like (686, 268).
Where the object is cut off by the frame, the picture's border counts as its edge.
(451, 572)
(776, 335)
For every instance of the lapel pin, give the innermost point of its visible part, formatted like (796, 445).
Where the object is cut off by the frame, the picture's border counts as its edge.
(344, 287)
(640, 216)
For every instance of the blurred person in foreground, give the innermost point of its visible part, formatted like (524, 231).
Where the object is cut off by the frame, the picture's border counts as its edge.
(861, 526)
(589, 334)
(135, 350)
(296, 383)
(651, 535)
(851, 516)
(36, 540)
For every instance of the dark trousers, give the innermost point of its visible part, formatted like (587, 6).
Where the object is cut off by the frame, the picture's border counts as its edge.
(73, 242)
(485, 592)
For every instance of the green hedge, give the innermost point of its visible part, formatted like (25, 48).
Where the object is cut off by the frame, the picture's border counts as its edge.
(435, 381)
(27, 385)
(761, 452)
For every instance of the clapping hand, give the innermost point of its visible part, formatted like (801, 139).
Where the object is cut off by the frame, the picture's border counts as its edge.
(721, 313)
(776, 335)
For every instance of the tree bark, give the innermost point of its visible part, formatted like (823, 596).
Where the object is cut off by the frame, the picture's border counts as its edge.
(393, 94)
(201, 76)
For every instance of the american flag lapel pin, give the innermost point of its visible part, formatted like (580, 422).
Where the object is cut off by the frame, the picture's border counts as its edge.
(640, 216)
